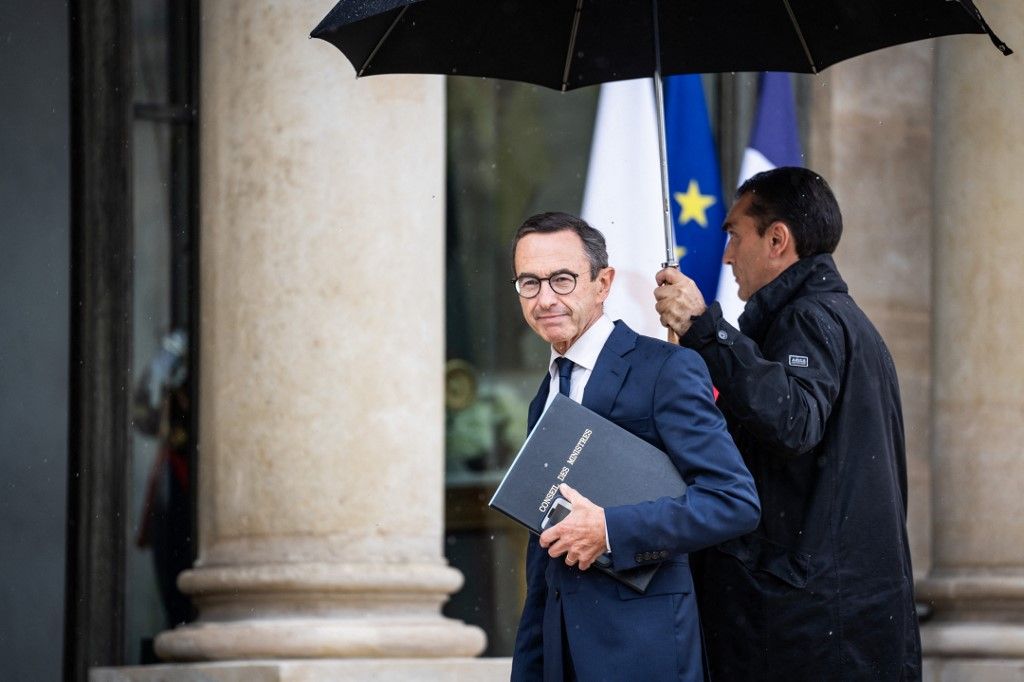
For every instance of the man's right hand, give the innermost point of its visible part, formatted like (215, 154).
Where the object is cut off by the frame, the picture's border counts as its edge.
(677, 300)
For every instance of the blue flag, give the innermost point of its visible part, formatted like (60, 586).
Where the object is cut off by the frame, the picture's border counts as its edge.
(695, 189)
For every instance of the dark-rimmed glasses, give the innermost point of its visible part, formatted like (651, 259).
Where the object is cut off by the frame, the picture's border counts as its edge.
(561, 283)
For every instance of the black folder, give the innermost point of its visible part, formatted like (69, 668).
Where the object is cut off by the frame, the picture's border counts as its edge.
(604, 462)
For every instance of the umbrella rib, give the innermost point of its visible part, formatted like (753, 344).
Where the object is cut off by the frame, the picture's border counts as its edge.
(572, 44)
(800, 35)
(381, 41)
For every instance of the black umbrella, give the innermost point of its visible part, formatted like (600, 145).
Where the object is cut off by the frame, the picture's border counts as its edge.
(567, 44)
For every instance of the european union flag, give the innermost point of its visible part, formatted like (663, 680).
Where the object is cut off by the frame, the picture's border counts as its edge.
(695, 191)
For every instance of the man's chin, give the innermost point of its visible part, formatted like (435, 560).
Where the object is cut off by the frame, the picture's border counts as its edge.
(556, 341)
(555, 337)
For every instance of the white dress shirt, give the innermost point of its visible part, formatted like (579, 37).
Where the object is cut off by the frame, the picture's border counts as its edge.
(583, 354)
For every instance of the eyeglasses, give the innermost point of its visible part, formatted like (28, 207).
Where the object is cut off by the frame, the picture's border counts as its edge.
(562, 283)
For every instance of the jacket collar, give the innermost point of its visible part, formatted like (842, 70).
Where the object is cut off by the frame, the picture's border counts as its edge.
(812, 275)
(610, 371)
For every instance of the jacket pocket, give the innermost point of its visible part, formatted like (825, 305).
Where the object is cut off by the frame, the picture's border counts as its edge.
(637, 425)
(761, 555)
(672, 577)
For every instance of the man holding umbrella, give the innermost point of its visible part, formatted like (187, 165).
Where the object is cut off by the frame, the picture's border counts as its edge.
(823, 589)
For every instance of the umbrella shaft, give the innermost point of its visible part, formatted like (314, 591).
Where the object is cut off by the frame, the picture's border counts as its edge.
(670, 236)
(659, 105)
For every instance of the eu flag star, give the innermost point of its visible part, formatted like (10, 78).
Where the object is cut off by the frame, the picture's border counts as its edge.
(694, 205)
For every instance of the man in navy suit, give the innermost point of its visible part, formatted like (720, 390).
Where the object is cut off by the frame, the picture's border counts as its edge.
(579, 623)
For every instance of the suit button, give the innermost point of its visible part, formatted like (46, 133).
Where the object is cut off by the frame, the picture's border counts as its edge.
(638, 558)
(558, 594)
(663, 554)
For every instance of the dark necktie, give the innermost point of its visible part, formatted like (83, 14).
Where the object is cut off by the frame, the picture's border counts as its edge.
(565, 366)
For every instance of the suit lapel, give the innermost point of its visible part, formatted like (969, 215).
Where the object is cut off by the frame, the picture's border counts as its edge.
(537, 405)
(609, 371)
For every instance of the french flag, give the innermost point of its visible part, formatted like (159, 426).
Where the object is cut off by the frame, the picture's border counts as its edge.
(774, 142)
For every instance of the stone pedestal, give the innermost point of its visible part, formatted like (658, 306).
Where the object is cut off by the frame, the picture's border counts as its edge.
(394, 670)
(976, 585)
(322, 286)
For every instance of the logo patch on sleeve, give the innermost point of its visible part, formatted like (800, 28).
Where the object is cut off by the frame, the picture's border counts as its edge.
(798, 361)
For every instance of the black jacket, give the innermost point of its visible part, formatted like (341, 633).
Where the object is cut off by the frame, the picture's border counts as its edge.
(823, 589)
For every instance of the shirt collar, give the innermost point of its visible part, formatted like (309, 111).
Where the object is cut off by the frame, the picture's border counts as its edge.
(585, 350)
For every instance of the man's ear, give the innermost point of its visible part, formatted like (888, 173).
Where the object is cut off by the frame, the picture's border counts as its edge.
(780, 241)
(604, 278)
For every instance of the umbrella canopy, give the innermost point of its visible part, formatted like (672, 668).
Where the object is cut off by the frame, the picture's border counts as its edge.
(567, 44)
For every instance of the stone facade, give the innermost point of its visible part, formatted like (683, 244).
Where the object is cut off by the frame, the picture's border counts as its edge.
(321, 434)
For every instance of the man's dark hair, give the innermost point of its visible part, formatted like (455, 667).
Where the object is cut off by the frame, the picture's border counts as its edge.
(593, 241)
(802, 200)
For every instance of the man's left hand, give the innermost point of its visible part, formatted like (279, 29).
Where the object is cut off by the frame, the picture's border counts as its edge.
(580, 536)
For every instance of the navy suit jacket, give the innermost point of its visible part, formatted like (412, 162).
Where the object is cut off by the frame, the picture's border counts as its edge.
(662, 393)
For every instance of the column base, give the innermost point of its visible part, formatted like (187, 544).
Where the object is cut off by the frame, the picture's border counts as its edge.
(978, 623)
(973, 595)
(972, 670)
(437, 637)
(408, 670)
(320, 610)
(947, 640)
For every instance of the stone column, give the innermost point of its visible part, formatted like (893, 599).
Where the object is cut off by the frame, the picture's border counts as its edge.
(977, 581)
(871, 139)
(322, 348)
